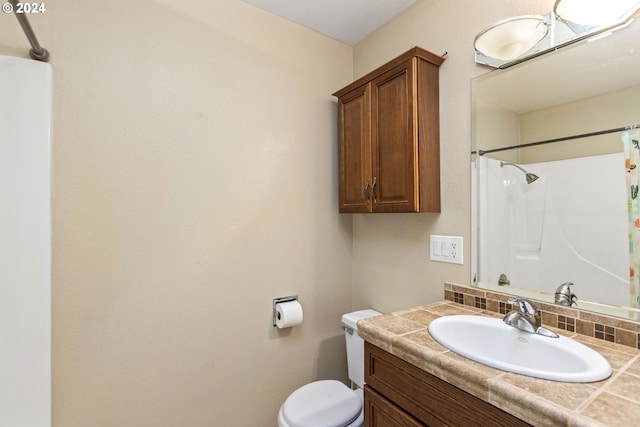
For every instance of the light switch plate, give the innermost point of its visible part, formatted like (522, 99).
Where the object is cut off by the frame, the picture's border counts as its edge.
(446, 249)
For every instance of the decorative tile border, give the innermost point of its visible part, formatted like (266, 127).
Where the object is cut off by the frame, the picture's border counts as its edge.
(595, 325)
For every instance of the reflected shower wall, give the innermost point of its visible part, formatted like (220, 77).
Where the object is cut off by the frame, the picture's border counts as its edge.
(570, 225)
(25, 243)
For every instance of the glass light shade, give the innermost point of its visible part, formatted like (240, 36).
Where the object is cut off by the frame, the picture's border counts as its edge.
(512, 37)
(594, 13)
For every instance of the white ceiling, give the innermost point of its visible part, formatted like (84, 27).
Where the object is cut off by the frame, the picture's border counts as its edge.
(348, 21)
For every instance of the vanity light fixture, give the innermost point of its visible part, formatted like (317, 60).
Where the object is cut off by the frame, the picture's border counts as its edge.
(595, 13)
(519, 38)
(512, 37)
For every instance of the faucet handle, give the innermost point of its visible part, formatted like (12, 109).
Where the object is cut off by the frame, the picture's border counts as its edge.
(564, 296)
(527, 307)
(565, 289)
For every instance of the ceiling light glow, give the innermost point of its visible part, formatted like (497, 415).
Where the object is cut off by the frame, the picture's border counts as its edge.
(594, 13)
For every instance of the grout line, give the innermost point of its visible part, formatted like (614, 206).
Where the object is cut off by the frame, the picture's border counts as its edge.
(614, 377)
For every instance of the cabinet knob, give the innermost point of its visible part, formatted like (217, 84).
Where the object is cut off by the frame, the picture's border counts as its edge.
(365, 191)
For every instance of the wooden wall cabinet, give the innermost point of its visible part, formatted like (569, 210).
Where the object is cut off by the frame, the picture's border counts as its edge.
(399, 394)
(389, 137)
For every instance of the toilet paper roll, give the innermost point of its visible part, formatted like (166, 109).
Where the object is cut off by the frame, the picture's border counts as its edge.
(288, 314)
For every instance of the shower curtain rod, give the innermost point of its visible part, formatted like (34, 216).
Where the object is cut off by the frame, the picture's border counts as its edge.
(549, 141)
(36, 52)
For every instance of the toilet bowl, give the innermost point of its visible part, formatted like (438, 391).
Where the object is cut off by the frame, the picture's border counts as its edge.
(330, 403)
(327, 403)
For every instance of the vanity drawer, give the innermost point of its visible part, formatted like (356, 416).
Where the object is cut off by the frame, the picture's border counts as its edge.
(380, 412)
(426, 397)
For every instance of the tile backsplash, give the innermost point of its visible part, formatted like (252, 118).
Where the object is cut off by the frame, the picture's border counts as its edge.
(600, 326)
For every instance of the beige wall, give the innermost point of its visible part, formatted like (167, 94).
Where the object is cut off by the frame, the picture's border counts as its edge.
(598, 112)
(391, 252)
(495, 127)
(500, 127)
(195, 180)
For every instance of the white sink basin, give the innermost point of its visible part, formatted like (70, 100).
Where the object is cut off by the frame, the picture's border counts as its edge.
(491, 342)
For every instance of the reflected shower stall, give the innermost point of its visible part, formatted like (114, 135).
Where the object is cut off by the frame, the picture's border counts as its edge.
(567, 225)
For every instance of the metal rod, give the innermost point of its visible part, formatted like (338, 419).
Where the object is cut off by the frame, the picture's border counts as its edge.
(549, 141)
(37, 52)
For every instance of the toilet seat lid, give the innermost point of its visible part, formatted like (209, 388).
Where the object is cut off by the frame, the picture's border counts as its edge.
(327, 403)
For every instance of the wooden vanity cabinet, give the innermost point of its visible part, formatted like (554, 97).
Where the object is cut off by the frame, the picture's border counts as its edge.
(389, 137)
(398, 394)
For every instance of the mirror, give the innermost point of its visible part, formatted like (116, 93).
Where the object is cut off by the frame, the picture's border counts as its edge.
(560, 116)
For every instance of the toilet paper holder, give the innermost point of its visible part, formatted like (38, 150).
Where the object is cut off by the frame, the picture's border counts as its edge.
(281, 300)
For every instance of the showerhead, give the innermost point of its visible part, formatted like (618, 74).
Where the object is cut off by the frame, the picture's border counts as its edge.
(530, 177)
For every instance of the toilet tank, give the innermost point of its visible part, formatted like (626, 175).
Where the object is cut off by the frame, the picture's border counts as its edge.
(355, 344)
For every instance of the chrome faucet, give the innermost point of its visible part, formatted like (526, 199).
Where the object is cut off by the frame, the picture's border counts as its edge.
(564, 296)
(527, 319)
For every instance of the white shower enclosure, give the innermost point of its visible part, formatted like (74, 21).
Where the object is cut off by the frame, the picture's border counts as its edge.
(25, 243)
(570, 225)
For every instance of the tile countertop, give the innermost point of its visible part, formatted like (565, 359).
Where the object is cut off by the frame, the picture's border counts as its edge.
(611, 402)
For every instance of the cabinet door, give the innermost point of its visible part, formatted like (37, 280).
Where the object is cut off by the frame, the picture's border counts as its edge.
(425, 397)
(394, 140)
(379, 412)
(354, 150)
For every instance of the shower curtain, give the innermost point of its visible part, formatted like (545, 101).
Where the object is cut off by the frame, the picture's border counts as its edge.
(630, 142)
